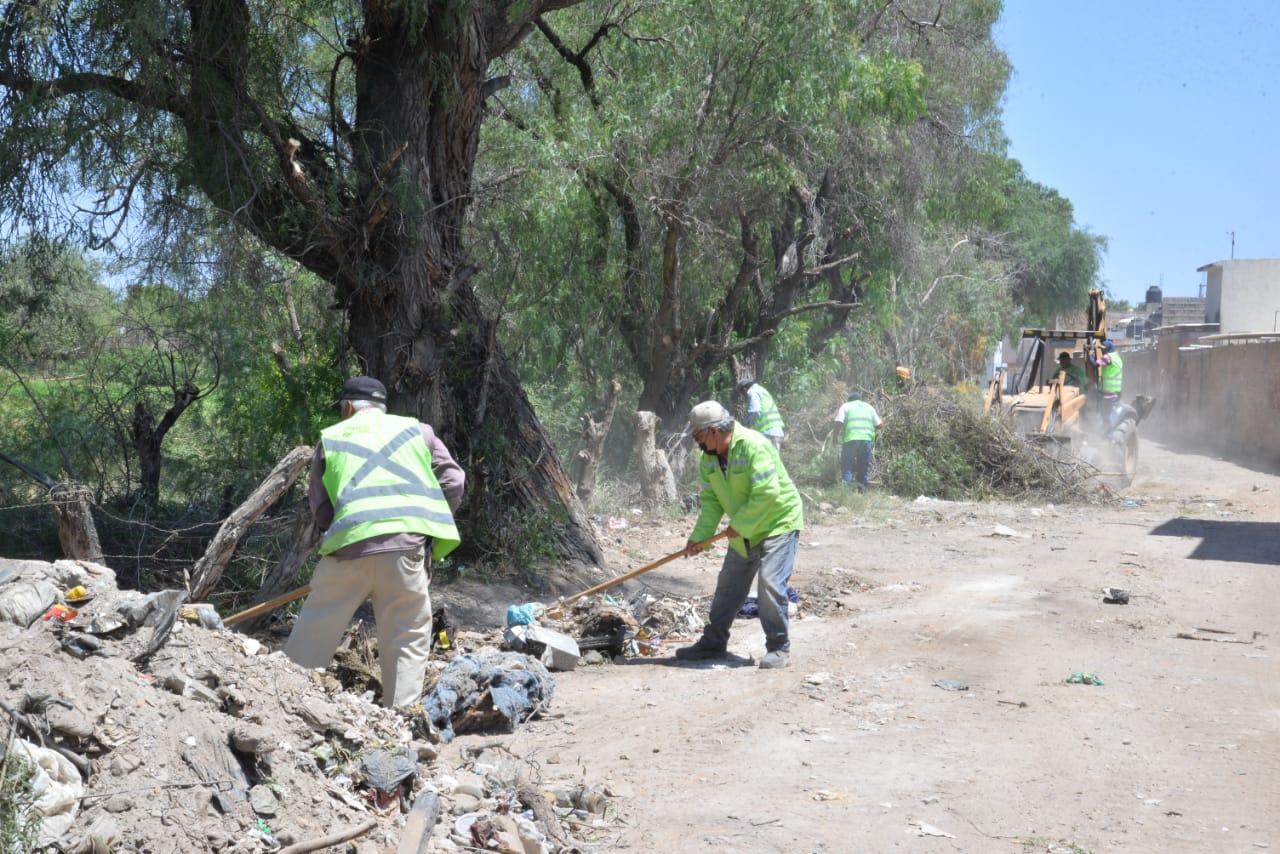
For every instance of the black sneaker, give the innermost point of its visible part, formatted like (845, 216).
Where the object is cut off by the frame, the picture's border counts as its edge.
(702, 650)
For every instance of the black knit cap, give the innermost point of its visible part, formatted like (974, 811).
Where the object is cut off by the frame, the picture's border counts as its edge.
(364, 388)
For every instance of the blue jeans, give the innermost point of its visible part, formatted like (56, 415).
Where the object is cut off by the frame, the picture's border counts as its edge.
(855, 461)
(773, 558)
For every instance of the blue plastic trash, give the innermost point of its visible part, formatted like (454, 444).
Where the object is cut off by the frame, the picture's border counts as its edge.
(520, 615)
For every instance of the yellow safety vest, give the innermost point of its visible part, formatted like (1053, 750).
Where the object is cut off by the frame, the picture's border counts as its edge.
(377, 471)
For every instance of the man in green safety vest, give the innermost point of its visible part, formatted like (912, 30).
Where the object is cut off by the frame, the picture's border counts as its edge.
(860, 422)
(383, 490)
(1073, 374)
(1110, 377)
(743, 478)
(762, 413)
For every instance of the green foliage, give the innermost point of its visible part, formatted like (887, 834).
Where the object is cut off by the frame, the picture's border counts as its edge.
(19, 820)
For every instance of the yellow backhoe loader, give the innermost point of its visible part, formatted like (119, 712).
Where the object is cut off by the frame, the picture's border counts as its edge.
(1045, 406)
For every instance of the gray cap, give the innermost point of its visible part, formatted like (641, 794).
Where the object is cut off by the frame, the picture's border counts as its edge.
(709, 413)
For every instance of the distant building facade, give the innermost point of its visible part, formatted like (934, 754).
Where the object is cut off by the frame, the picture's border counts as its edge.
(1242, 295)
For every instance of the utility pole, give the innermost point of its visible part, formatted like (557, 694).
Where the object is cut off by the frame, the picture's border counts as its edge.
(1233, 244)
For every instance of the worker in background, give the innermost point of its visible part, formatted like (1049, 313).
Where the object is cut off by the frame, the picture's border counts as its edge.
(762, 413)
(860, 422)
(1074, 374)
(1110, 377)
(383, 490)
(1110, 371)
(742, 477)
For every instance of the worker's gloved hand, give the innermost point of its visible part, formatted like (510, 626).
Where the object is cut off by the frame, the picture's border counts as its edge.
(692, 547)
(731, 533)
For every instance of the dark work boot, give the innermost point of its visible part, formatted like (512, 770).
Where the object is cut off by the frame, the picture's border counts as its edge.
(701, 650)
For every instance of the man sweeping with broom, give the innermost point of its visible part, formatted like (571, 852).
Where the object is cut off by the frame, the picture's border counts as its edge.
(743, 477)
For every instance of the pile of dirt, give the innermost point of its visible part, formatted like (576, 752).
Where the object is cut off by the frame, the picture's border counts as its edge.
(156, 729)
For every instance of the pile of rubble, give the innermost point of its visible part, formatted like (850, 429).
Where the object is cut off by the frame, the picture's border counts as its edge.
(132, 723)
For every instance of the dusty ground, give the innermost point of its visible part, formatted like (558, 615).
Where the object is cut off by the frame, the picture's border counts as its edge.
(855, 748)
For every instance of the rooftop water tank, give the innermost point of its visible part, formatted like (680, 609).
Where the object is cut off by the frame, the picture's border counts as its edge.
(1154, 295)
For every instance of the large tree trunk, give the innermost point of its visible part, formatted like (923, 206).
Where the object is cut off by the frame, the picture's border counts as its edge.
(415, 322)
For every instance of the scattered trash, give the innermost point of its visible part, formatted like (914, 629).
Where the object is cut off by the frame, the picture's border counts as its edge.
(1082, 678)
(521, 615)
(78, 594)
(82, 646)
(204, 614)
(389, 775)
(951, 685)
(554, 649)
(751, 607)
(444, 629)
(1005, 531)
(616, 523)
(1115, 596)
(1190, 636)
(923, 829)
(60, 614)
(487, 691)
(645, 642)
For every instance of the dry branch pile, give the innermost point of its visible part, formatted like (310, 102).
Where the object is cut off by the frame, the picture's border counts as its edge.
(939, 439)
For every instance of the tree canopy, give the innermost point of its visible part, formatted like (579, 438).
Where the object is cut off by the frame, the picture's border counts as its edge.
(440, 193)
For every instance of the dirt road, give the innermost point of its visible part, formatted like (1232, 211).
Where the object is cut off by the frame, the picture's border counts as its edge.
(857, 747)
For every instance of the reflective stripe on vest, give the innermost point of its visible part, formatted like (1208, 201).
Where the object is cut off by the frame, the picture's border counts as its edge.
(859, 422)
(769, 418)
(1112, 375)
(378, 475)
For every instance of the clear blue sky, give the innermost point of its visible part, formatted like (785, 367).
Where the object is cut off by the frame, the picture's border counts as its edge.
(1160, 121)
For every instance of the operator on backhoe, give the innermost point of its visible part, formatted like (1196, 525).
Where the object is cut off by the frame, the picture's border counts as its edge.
(1074, 373)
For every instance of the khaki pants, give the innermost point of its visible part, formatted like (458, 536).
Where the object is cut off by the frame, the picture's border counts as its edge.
(398, 583)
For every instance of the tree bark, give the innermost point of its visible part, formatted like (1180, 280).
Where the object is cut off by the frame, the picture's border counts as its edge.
(374, 201)
(208, 570)
(148, 436)
(594, 434)
(76, 530)
(415, 321)
(657, 483)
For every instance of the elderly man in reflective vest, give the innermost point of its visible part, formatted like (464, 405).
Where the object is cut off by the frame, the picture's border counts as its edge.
(743, 478)
(383, 489)
(860, 421)
(762, 413)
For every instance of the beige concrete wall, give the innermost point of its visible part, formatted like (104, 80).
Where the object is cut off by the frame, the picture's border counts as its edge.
(1223, 400)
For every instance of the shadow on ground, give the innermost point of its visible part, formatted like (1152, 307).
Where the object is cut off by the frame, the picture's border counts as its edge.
(1237, 542)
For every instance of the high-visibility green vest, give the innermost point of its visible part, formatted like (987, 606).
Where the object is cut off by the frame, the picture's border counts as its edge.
(1111, 378)
(377, 471)
(859, 421)
(754, 491)
(1075, 375)
(769, 417)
